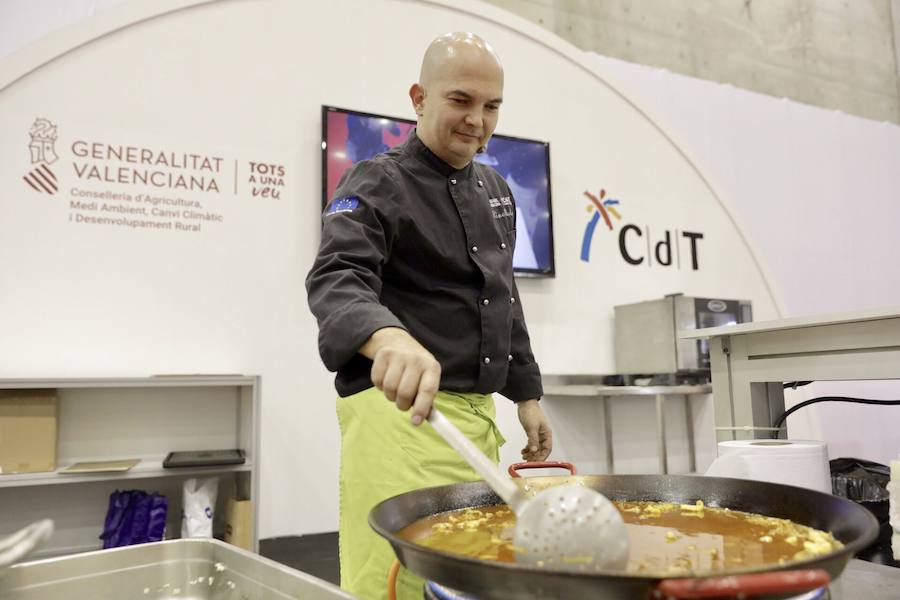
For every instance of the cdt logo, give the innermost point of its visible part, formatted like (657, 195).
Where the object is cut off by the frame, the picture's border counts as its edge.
(600, 208)
(43, 154)
(632, 248)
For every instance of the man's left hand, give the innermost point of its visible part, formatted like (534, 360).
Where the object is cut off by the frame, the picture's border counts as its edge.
(540, 438)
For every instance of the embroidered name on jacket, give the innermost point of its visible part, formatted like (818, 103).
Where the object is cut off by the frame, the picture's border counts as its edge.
(340, 205)
(501, 207)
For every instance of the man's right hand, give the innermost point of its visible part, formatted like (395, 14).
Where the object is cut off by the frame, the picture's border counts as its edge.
(404, 370)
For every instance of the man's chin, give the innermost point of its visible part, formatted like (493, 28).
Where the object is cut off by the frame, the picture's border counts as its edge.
(464, 156)
(469, 147)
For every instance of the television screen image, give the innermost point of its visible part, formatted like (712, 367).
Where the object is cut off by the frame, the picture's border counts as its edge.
(350, 136)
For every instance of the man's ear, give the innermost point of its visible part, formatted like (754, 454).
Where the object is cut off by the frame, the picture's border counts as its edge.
(417, 95)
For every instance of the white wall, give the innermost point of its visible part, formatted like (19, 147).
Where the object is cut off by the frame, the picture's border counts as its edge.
(23, 22)
(116, 302)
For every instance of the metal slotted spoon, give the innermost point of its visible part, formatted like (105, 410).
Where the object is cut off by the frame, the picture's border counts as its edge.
(568, 527)
(17, 546)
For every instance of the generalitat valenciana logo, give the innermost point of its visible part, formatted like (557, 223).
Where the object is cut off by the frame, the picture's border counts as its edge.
(43, 154)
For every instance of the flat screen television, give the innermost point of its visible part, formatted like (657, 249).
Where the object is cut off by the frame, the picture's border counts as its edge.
(349, 136)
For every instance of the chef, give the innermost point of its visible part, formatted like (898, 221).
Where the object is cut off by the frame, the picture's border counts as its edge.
(417, 307)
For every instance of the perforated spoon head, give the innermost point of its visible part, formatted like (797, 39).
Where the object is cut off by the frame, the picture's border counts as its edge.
(572, 528)
(568, 527)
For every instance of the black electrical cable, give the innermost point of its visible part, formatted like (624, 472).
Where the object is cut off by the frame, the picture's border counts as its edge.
(786, 413)
(795, 384)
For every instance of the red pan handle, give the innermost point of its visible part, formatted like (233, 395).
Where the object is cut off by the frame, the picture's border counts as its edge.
(546, 464)
(742, 586)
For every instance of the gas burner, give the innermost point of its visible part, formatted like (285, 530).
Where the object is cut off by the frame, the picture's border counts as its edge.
(434, 591)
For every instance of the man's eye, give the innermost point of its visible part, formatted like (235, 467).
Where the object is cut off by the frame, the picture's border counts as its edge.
(493, 107)
(458, 100)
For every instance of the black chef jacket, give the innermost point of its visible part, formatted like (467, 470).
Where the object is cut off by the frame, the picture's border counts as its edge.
(409, 241)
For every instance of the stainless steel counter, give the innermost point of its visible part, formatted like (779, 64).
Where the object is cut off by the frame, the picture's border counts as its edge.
(590, 386)
(210, 569)
(191, 569)
(867, 580)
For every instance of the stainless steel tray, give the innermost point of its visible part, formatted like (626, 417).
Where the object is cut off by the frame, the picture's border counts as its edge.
(191, 569)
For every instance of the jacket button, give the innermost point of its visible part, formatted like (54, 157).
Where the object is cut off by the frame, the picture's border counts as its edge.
(452, 182)
(487, 360)
(503, 245)
(474, 248)
(509, 358)
(512, 300)
(480, 183)
(486, 301)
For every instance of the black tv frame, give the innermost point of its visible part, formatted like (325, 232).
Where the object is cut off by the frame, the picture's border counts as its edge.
(549, 272)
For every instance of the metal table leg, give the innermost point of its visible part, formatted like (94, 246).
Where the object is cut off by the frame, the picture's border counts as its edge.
(607, 425)
(689, 414)
(661, 434)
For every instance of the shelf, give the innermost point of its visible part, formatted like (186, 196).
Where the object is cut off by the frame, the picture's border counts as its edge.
(155, 381)
(146, 469)
(120, 418)
(595, 391)
(853, 318)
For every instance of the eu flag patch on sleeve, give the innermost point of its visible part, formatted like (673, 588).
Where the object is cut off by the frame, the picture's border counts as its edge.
(345, 204)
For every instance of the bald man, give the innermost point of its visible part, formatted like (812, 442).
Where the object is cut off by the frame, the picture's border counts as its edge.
(414, 294)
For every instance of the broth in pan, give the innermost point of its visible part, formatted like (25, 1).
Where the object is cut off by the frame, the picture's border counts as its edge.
(665, 539)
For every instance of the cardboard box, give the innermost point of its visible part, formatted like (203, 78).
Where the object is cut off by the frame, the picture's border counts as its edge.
(28, 422)
(239, 523)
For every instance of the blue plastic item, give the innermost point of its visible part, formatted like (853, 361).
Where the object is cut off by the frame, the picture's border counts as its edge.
(134, 517)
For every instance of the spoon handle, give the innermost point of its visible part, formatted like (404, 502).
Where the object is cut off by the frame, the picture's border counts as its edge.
(492, 474)
(15, 547)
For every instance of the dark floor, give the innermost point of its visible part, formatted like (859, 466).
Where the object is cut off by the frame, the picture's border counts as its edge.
(316, 554)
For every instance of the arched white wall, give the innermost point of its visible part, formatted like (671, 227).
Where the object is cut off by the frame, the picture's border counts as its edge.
(244, 81)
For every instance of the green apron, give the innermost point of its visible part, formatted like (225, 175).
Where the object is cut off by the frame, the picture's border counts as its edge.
(382, 455)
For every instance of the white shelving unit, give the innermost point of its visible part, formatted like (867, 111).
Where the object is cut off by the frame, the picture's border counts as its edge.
(141, 418)
(751, 361)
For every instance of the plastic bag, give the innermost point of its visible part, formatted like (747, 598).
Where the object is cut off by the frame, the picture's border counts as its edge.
(199, 507)
(860, 480)
(864, 482)
(134, 517)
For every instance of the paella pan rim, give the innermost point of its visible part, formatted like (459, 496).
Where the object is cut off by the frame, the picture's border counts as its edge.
(842, 555)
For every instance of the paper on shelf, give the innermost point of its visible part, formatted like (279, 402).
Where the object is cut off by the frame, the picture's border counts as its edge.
(102, 466)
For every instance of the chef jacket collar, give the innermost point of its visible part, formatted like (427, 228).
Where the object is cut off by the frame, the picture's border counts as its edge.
(418, 148)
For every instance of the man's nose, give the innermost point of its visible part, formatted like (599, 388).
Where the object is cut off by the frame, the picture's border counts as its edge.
(474, 118)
